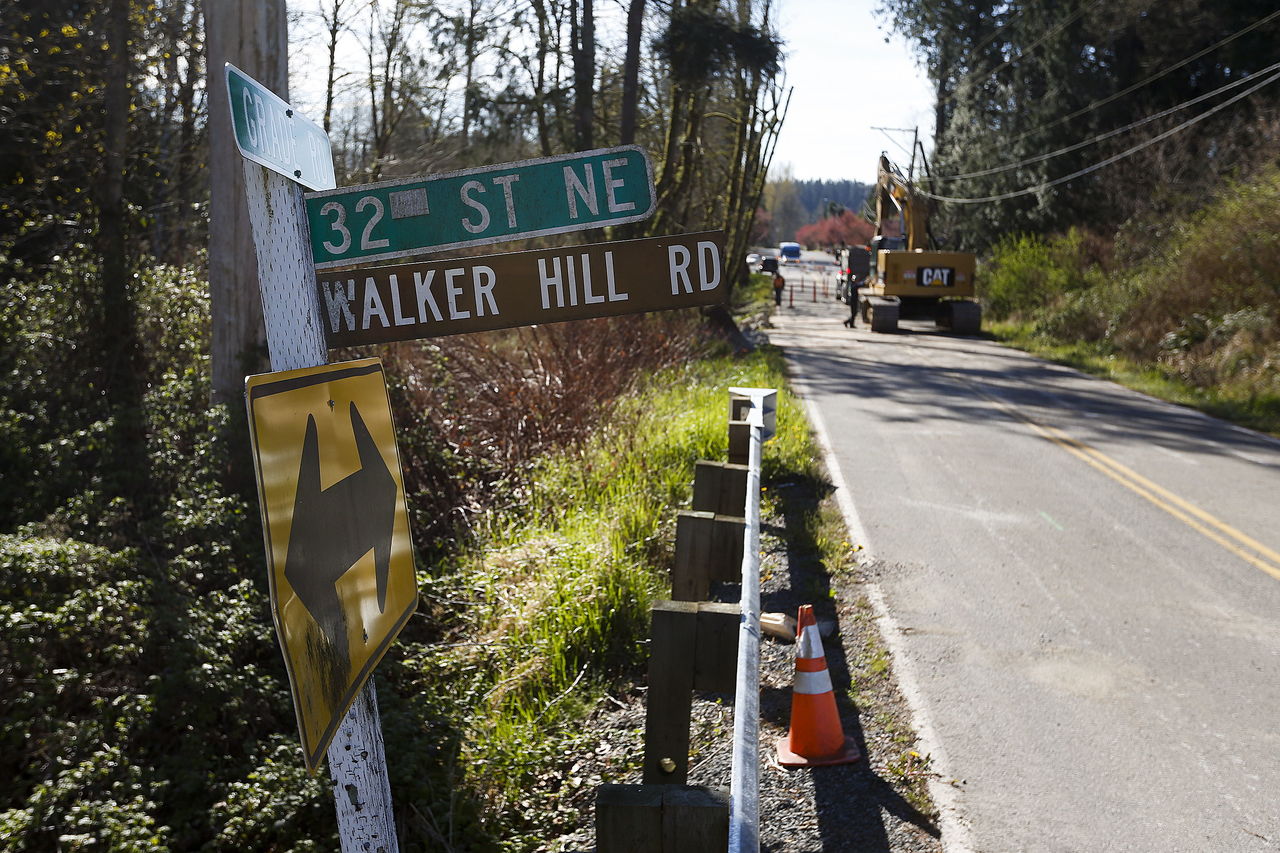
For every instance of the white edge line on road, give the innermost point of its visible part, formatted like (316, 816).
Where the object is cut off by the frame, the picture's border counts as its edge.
(951, 824)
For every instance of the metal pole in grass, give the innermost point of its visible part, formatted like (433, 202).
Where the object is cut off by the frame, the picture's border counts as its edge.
(744, 804)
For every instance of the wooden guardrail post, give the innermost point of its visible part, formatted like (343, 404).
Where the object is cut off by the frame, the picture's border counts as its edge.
(726, 548)
(695, 820)
(709, 631)
(719, 487)
(691, 571)
(661, 819)
(670, 696)
(715, 650)
(739, 429)
(739, 442)
(708, 548)
(629, 818)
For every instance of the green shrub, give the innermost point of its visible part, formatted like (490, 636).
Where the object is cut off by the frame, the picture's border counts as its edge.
(100, 803)
(1197, 300)
(75, 628)
(1222, 261)
(1026, 272)
(59, 434)
(277, 806)
(52, 411)
(151, 707)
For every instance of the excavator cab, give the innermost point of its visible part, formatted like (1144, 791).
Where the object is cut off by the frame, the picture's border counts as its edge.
(878, 242)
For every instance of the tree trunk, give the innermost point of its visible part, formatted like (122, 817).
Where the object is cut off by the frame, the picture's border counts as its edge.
(126, 466)
(745, 154)
(252, 34)
(688, 104)
(631, 72)
(540, 80)
(118, 330)
(468, 73)
(584, 72)
(333, 29)
(191, 135)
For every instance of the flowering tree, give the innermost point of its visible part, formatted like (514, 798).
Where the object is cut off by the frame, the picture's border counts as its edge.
(846, 227)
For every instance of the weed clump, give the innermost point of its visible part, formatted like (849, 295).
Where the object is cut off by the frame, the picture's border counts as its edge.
(1198, 303)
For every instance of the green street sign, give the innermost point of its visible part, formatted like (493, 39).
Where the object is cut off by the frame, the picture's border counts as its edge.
(508, 201)
(270, 132)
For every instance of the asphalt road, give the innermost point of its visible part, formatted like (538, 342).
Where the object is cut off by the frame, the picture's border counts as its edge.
(1081, 587)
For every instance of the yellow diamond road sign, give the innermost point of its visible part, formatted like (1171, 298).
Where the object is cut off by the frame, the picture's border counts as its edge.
(336, 527)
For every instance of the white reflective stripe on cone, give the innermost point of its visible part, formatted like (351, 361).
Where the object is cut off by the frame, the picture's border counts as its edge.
(810, 643)
(813, 682)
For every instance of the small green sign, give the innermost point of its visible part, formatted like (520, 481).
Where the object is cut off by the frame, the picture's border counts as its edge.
(270, 132)
(508, 201)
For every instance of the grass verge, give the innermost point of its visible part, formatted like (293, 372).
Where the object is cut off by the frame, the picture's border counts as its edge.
(557, 597)
(1234, 403)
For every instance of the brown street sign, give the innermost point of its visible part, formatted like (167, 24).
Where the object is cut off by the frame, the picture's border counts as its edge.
(431, 299)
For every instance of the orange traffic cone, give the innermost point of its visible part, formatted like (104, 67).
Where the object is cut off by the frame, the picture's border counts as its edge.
(816, 737)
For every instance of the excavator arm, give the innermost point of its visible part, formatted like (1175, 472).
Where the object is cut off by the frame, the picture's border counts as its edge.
(894, 196)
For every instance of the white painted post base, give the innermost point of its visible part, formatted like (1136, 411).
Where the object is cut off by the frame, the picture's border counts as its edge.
(295, 339)
(361, 788)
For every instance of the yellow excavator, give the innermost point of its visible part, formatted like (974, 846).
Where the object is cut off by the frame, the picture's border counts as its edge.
(907, 279)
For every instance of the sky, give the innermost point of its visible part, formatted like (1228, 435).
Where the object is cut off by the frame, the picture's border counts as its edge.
(846, 81)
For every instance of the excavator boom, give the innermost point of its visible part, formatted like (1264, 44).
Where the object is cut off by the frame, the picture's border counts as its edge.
(894, 197)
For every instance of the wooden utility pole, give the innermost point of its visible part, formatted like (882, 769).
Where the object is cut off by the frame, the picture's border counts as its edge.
(253, 35)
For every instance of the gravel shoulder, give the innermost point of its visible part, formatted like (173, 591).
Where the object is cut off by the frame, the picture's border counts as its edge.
(879, 803)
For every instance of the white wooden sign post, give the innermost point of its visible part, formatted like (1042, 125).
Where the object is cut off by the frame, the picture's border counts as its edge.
(295, 339)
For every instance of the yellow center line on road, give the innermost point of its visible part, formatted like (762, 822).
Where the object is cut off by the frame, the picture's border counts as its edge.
(1164, 499)
(1207, 525)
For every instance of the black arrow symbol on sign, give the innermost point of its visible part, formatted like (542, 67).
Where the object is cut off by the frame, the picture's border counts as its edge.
(335, 527)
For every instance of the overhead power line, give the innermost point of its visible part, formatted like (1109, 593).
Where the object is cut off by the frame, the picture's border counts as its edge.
(1122, 155)
(1057, 28)
(1156, 76)
(1072, 18)
(885, 131)
(1039, 158)
(1013, 16)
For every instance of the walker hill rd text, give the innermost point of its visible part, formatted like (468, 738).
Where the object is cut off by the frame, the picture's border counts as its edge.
(490, 204)
(431, 299)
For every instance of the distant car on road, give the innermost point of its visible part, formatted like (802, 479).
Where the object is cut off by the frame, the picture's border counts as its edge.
(769, 264)
(789, 251)
(752, 259)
